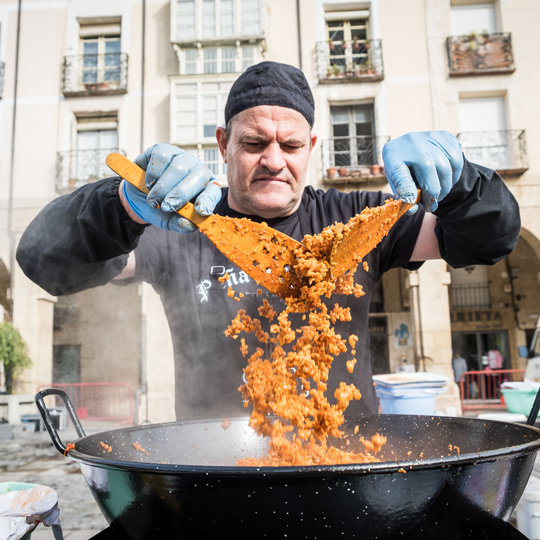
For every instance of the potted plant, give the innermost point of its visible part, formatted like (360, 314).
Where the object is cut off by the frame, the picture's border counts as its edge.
(12, 353)
(375, 169)
(336, 71)
(331, 172)
(343, 171)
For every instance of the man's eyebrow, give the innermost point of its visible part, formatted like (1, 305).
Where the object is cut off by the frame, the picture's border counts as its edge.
(293, 141)
(253, 137)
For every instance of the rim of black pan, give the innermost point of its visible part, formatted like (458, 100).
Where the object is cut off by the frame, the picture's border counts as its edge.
(401, 467)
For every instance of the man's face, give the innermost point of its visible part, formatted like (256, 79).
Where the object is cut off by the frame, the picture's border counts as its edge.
(267, 155)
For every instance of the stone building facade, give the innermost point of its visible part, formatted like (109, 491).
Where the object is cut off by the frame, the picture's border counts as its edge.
(83, 78)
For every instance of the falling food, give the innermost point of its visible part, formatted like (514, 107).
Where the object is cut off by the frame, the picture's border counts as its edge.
(288, 389)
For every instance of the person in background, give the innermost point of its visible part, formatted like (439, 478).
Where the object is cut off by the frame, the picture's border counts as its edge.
(459, 365)
(108, 230)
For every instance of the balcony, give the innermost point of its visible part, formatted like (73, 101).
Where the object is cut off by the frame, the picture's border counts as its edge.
(471, 296)
(94, 74)
(349, 160)
(480, 54)
(505, 151)
(2, 65)
(353, 61)
(75, 168)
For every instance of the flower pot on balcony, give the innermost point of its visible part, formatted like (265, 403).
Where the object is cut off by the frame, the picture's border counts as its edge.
(375, 169)
(331, 173)
(343, 171)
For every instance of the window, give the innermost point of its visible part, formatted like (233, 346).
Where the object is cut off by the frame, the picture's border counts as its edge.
(100, 59)
(348, 42)
(212, 60)
(478, 18)
(212, 158)
(250, 17)
(199, 110)
(96, 138)
(483, 131)
(228, 60)
(353, 142)
(191, 61)
(210, 19)
(227, 18)
(248, 57)
(185, 28)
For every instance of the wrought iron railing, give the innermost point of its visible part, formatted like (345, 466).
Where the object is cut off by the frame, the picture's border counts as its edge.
(2, 65)
(505, 151)
(482, 389)
(350, 155)
(77, 167)
(350, 60)
(471, 296)
(87, 74)
(476, 54)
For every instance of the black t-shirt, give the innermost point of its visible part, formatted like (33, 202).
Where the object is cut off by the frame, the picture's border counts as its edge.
(184, 271)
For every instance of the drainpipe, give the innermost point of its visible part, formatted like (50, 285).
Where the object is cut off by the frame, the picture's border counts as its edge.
(413, 282)
(11, 232)
(143, 389)
(299, 35)
(143, 62)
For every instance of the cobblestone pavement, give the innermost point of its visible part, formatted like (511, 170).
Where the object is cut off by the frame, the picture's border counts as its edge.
(32, 458)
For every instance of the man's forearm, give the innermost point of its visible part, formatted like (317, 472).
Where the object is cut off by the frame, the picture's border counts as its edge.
(478, 222)
(79, 241)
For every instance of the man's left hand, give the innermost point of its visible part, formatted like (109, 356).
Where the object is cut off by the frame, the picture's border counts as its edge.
(429, 160)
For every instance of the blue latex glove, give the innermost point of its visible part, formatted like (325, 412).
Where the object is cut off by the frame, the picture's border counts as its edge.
(174, 177)
(436, 161)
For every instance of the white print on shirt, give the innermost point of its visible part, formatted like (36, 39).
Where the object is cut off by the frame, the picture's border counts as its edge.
(202, 289)
(235, 279)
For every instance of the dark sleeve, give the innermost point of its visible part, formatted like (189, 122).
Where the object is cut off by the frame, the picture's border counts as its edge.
(478, 222)
(80, 240)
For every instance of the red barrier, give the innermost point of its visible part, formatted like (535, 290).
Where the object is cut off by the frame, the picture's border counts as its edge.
(99, 401)
(482, 389)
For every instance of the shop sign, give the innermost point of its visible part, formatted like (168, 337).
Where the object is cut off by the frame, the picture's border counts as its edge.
(480, 319)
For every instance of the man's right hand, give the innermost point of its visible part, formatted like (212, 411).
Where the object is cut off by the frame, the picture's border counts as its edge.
(173, 178)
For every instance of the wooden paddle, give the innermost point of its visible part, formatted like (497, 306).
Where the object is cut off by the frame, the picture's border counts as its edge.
(261, 252)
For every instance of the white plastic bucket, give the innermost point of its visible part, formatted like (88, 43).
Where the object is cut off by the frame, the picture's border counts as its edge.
(417, 403)
(528, 510)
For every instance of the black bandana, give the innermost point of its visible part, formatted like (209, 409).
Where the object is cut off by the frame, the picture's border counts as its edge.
(270, 83)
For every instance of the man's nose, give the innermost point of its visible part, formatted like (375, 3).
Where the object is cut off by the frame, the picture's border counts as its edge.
(272, 158)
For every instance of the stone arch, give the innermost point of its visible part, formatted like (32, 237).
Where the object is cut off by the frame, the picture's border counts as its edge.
(532, 240)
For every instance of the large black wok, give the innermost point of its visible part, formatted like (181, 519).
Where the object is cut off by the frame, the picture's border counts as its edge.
(189, 487)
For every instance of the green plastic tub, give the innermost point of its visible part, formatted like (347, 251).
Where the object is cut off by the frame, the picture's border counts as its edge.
(6, 487)
(519, 401)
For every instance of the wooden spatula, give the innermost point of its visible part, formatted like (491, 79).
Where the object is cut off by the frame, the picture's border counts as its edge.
(362, 237)
(261, 252)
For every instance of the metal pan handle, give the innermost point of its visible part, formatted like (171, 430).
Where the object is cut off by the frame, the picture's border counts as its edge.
(59, 445)
(533, 415)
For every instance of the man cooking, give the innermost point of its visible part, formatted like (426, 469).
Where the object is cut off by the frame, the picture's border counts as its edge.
(108, 230)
